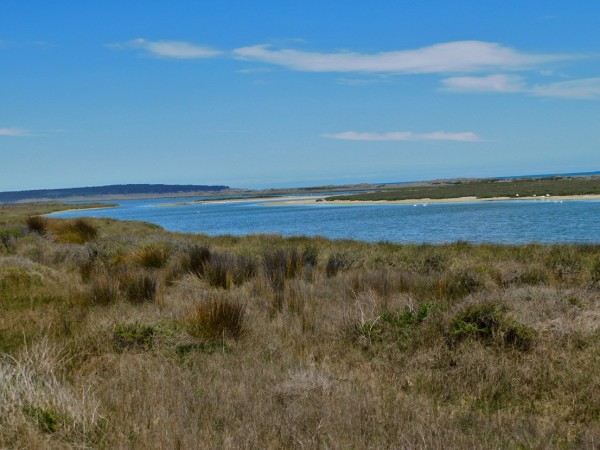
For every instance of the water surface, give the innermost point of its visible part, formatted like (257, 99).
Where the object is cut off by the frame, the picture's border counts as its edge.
(512, 221)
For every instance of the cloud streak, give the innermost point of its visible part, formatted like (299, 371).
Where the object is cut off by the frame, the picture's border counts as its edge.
(13, 132)
(586, 88)
(465, 136)
(170, 49)
(458, 56)
(490, 83)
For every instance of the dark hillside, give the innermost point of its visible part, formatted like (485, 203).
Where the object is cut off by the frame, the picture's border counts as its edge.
(114, 189)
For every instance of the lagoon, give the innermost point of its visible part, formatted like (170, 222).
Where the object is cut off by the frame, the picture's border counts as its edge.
(510, 222)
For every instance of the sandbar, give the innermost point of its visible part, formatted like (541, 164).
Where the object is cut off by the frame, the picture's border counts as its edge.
(421, 201)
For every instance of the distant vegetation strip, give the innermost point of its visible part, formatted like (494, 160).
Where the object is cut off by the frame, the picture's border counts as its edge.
(488, 188)
(115, 189)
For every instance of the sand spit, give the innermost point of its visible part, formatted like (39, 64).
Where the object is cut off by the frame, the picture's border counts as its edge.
(422, 201)
(81, 209)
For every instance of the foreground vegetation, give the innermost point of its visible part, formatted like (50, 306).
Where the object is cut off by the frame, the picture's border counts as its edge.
(486, 188)
(119, 334)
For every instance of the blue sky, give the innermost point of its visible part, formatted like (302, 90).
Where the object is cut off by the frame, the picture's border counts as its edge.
(295, 93)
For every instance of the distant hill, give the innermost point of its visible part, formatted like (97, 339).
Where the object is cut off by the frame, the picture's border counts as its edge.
(105, 191)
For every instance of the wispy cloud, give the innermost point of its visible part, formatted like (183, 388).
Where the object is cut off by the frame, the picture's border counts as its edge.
(254, 70)
(465, 136)
(459, 56)
(490, 83)
(586, 88)
(363, 81)
(14, 132)
(169, 49)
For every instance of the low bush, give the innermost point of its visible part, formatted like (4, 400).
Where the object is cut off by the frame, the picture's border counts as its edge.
(46, 419)
(407, 316)
(216, 318)
(133, 336)
(488, 323)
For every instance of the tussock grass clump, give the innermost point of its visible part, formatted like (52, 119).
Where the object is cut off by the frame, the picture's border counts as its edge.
(216, 318)
(104, 291)
(282, 264)
(152, 256)
(77, 231)
(138, 287)
(220, 270)
(37, 224)
(223, 270)
(335, 263)
(197, 257)
(191, 259)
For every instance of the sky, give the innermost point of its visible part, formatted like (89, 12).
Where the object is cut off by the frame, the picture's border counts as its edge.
(259, 94)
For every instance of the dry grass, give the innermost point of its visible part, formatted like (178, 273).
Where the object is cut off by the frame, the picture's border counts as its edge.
(317, 344)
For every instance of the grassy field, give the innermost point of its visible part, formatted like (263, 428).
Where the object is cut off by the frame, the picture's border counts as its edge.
(487, 188)
(122, 335)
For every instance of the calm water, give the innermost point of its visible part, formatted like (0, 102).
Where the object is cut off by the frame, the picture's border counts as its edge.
(506, 221)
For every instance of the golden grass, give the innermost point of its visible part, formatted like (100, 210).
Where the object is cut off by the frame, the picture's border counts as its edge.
(368, 345)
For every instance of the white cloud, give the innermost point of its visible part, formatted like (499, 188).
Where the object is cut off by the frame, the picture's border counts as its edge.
(465, 136)
(490, 83)
(586, 88)
(254, 70)
(170, 49)
(13, 132)
(459, 56)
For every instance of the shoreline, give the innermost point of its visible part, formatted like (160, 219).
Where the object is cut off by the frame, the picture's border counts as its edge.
(321, 200)
(80, 209)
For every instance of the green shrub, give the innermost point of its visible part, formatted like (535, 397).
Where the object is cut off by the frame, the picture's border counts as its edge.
(133, 336)
(479, 321)
(488, 323)
(47, 420)
(407, 316)
(216, 318)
